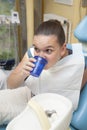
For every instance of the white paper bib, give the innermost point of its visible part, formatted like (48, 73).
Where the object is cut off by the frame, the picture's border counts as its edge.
(64, 78)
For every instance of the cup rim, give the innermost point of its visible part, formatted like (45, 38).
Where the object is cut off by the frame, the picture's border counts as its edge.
(40, 58)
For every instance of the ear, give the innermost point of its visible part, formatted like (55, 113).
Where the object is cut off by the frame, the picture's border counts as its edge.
(63, 50)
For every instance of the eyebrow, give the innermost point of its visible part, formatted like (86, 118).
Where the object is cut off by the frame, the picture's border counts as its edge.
(45, 47)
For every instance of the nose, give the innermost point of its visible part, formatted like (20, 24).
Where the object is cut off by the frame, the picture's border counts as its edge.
(41, 54)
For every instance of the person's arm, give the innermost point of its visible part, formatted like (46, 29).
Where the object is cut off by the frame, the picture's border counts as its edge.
(21, 72)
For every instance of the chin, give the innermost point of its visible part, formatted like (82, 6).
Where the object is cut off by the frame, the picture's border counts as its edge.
(47, 67)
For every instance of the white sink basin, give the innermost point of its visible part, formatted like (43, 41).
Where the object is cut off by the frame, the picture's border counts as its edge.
(34, 117)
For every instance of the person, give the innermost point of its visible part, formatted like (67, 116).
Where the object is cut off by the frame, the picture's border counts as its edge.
(65, 71)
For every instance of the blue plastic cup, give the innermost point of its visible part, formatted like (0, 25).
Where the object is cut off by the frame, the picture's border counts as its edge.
(39, 66)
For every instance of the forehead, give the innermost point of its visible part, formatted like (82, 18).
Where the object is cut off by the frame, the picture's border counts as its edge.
(45, 41)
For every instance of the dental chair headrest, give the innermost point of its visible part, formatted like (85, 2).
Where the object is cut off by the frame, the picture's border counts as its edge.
(81, 30)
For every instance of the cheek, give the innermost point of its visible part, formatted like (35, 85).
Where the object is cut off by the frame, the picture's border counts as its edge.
(51, 61)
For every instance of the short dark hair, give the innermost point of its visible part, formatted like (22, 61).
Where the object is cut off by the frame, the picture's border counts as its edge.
(52, 27)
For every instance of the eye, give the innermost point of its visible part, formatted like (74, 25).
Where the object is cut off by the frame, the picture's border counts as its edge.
(36, 49)
(48, 51)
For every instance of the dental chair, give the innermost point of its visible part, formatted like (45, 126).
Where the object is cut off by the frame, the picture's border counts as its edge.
(79, 118)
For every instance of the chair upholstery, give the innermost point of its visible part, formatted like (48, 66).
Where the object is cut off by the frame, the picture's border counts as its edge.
(80, 31)
(79, 119)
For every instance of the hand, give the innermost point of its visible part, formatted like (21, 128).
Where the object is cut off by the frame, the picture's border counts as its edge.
(25, 66)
